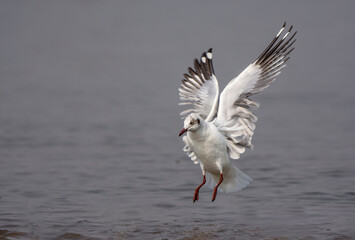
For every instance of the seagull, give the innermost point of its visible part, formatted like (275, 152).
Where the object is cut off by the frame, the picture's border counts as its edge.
(221, 126)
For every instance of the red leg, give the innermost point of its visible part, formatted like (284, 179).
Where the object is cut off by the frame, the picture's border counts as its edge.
(216, 187)
(198, 188)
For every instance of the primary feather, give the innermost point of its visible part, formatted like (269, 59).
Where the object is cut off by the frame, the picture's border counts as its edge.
(199, 88)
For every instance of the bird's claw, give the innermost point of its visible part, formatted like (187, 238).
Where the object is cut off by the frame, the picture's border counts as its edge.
(214, 196)
(195, 197)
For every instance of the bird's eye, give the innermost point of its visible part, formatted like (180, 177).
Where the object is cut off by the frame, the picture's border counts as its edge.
(192, 122)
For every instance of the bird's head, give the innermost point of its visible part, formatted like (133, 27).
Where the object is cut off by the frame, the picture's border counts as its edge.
(191, 123)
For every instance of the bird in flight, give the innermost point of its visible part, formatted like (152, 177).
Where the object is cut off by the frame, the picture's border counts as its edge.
(221, 126)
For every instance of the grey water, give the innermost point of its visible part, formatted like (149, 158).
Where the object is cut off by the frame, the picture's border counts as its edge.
(89, 121)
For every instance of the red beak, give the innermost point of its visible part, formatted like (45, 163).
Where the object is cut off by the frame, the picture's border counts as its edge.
(182, 131)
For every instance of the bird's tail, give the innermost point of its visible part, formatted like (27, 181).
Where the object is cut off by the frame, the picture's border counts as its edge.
(233, 181)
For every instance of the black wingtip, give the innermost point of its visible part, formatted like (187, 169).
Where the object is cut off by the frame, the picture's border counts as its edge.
(209, 55)
(284, 24)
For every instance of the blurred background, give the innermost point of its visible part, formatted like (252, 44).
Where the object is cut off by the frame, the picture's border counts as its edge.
(89, 120)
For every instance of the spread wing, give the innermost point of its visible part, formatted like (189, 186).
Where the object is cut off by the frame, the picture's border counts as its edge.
(199, 88)
(235, 112)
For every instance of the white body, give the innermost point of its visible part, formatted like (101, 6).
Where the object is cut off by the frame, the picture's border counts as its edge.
(209, 146)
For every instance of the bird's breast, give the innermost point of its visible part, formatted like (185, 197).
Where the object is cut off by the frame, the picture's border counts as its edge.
(208, 145)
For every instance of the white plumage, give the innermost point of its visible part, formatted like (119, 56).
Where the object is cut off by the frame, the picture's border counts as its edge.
(220, 127)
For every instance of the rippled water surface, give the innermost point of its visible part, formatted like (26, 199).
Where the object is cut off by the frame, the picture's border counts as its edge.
(89, 122)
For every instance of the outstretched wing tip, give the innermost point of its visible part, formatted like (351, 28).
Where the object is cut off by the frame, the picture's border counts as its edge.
(209, 54)
(200, 87)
